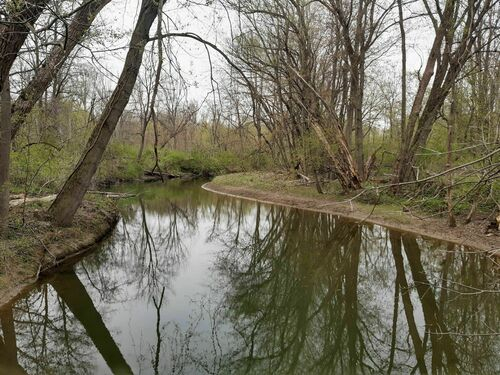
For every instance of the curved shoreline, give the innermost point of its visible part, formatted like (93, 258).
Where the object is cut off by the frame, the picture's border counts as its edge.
(429, 228)
(62, 252)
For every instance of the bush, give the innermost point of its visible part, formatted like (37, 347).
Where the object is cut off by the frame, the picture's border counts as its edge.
(39, 168)
(201, 163)
(120, 163)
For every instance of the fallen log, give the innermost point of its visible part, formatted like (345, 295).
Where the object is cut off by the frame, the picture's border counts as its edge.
(21, 201)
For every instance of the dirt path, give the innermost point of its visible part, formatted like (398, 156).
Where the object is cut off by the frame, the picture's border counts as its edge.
(471, 235)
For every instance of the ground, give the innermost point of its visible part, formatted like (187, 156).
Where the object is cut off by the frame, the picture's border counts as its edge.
(284, 189)
(35, 246)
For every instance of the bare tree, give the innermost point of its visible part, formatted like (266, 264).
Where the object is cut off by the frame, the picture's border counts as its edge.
(456, 29)
(29, 95)
(71, 195)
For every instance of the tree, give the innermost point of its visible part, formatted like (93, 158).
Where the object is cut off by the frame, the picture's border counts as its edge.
(71, 195)
(14, 28)
(281, 45)
(456, 28)
(29, 96)
(361, 24)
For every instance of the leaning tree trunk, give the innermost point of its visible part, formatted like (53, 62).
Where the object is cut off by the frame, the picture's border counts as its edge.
(30, 95)
(71, 195)
(342, 160)
(15, 31)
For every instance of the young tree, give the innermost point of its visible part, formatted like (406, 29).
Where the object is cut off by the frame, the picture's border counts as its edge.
(456, 27)
(71, 195)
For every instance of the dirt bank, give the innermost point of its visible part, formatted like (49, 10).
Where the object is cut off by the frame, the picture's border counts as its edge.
(36, 247)
(470, 235)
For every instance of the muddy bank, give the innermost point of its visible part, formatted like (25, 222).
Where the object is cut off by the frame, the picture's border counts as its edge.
(471, 235)
(36, 247)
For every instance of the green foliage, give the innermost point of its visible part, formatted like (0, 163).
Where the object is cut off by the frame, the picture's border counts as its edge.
(120, 164)
(205, 163)
(39, 168)
(379, 197)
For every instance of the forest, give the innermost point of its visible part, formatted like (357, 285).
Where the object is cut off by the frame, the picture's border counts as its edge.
(249, 186)
(397, 99)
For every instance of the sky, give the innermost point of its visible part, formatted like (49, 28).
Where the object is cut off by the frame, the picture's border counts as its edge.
(206, 21)
(212, 23)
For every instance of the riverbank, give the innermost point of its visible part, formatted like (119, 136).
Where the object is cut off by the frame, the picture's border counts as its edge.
(281, 190)
(35, 246)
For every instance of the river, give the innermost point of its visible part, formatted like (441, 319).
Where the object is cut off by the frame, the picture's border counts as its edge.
(191, 282)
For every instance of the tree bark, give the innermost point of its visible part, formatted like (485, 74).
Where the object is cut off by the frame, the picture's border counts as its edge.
(14, 32)
(45, 74)
(448, 62)
(5, 130)
(71, 195)
(403, 69)
(452, 122)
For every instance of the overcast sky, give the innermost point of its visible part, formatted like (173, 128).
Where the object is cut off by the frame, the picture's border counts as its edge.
(207, 21)
(211, 22)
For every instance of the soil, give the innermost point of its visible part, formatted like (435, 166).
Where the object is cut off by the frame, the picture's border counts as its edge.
(471, 235)
(36, 247)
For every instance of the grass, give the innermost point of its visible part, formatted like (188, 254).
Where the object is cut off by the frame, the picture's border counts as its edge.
(420, 204)
(385, 205)
(31, 234)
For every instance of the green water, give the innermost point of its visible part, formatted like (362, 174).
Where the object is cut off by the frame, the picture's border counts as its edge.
(195, 283)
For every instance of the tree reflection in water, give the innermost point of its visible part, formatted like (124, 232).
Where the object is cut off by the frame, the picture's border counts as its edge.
(308, 293)
(283, 291)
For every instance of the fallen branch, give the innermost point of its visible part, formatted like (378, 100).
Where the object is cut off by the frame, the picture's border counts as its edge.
(109, 194)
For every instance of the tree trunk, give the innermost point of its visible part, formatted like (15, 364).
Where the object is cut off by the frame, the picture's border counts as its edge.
(452, 122)
(15, 31)
(13, 34)
(403, 69)
(358, 125)
(342, 159)
(448, 64)
(45, 74)
(71, 195)
(5, 131)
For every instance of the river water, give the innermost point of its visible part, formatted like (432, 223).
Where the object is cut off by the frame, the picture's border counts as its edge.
(191, 282)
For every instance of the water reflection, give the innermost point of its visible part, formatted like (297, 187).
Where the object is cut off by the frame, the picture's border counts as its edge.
(195, 283)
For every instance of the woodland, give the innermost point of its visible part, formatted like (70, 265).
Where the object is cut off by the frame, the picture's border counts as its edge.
(386, 100)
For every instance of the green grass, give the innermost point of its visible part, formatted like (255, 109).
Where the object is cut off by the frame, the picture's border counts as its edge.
(30, 231)
(386, 205)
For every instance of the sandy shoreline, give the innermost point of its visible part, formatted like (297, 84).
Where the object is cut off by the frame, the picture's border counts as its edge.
(471, 235)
